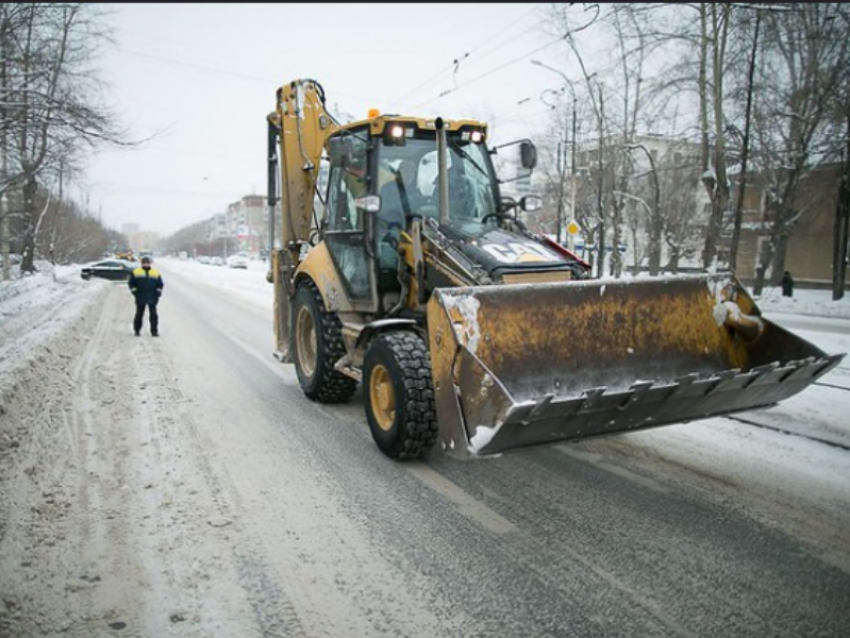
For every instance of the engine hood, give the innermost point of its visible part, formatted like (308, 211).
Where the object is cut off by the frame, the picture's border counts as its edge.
(498, 250)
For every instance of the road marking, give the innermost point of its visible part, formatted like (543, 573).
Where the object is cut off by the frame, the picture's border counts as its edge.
(469, 507)
(599, 461)
(285, 371)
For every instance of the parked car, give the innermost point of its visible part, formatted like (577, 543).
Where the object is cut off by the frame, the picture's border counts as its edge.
(113, 269)
(216, 261)
(239, 260)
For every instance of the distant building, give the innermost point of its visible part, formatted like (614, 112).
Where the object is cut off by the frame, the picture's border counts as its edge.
(809, 250)
(139, 240)
(129, 229)
(243, 227)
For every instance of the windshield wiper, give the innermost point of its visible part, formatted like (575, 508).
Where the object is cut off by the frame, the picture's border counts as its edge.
(467, 157)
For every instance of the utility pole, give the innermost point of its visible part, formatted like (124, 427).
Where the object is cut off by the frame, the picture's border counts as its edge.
(4, 171)
(842, 221)
(4, 232)
(559, 225)
(562, 166)
(571, 240)
(742, 184)
(4, 200)
(656, 221)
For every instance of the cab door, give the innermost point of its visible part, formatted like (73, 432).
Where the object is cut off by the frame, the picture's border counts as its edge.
(345, 224)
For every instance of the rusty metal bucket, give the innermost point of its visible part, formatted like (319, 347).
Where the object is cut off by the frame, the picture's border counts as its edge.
(525, 364)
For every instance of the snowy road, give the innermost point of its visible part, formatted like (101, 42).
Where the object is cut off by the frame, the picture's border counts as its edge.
(183, 486)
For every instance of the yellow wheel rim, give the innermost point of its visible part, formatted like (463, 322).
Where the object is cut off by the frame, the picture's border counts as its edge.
(306, 341)
(382, 397)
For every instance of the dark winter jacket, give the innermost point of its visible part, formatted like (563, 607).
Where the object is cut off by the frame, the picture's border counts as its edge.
(146, 285)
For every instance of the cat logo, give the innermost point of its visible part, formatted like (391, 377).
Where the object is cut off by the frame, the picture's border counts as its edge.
(520, 253)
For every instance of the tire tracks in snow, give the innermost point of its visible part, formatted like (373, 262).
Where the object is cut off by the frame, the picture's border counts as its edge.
(200, 508)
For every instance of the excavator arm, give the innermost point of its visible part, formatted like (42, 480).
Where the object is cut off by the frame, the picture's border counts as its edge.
(298, 130)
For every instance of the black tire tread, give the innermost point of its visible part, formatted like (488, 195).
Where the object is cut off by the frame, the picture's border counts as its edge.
(418, 433)
(332, 386)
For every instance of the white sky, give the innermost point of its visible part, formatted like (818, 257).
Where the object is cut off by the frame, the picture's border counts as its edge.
(201, 79)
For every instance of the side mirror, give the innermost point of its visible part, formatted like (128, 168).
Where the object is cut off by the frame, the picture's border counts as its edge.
(528, 155)
(340, 152)
(530, 203)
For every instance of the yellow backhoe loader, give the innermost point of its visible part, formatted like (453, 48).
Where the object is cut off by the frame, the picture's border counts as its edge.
(403, 266)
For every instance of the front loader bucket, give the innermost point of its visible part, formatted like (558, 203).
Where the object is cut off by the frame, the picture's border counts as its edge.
(519, 365)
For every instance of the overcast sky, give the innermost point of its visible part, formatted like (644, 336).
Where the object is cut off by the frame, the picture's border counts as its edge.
(200, 79)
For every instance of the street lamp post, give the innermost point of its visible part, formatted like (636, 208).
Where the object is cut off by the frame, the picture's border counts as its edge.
(745, 143)
(561, 167)
(570, 239)
(656, 221)
(634, 198)
(573, 174)
(4, 237)
(559, 226)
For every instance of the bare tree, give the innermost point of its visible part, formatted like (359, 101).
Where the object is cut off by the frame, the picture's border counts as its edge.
(798, 122)
(72, 235)
(702, 46)
(714, 31)
(601, 169)
(680, 175)
(50, 111)
(841, 227)
(550, 169)
(792, 108)
(634, 31)
(662, 37)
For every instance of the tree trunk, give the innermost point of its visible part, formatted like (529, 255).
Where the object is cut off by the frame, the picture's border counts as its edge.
(842, 220)
(673, 261)
(616, 259)
(718, 207)
(780, 249)
(766, 260)
(28, 256)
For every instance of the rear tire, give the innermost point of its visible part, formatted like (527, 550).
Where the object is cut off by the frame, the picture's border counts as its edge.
(318, 346)
(399, 395)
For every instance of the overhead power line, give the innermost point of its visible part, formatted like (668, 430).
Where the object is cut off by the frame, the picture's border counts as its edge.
(162, 190)
(490, 72)
(594, 7)
(453, 66)
(193, 65)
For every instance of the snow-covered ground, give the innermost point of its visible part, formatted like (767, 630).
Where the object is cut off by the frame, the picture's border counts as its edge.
(90, 469)
(34, 309)
(819, 413)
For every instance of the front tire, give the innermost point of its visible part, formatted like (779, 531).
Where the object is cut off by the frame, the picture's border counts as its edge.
(318, 346)
(399, 395)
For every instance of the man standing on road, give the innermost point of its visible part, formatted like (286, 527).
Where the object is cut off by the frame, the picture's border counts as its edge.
(146, 285)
